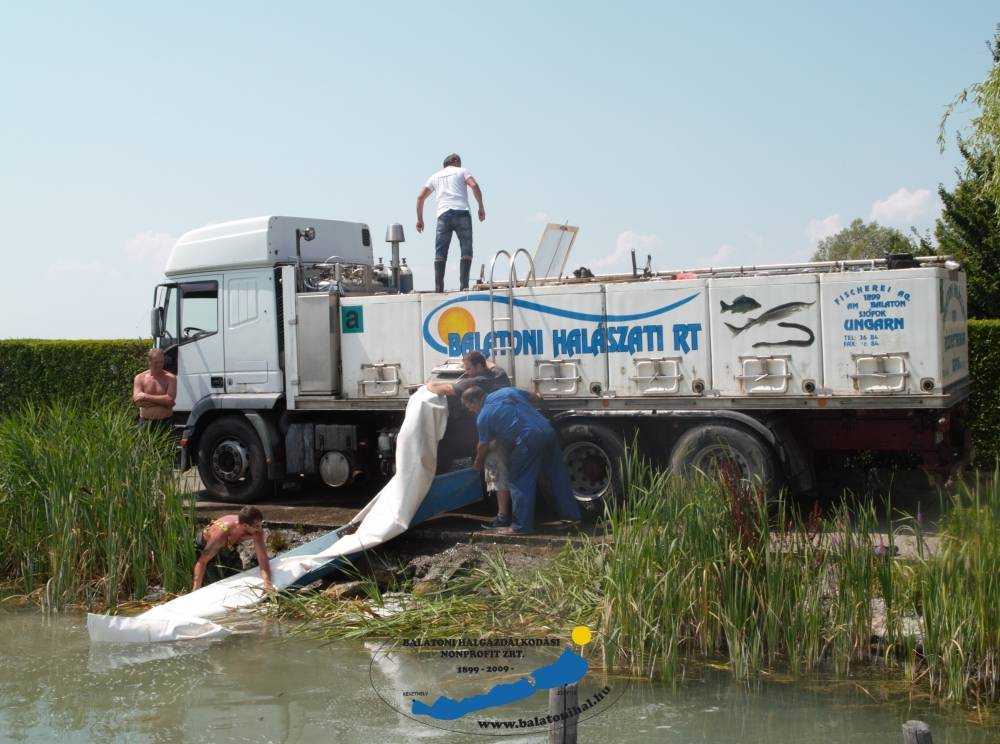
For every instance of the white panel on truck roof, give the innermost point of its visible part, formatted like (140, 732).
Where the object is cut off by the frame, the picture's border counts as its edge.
(883, 331)
(766, 335)
(658, 337)
(266, 241)
(380, 346)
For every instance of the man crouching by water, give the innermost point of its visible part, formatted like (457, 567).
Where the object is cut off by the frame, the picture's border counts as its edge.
(216, 547)
(155, 392)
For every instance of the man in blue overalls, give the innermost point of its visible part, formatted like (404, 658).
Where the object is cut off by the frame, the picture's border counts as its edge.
(507, 415)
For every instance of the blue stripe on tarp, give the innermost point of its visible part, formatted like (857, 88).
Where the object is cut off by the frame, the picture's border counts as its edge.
(448, 492)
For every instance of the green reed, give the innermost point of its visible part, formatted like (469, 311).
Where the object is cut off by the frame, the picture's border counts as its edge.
(958, 594)
(90, 509)
(703, 569)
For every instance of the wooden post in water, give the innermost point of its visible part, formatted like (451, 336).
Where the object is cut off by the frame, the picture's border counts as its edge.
(562, 700)
(916, 732)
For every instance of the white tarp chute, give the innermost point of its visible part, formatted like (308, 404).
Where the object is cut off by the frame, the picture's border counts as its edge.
(387, 515)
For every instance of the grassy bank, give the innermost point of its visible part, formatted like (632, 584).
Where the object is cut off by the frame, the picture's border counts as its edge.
(90, 511)
(696, 570)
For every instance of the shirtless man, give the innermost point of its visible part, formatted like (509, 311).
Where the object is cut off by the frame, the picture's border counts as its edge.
(155, 391)
(218, 541)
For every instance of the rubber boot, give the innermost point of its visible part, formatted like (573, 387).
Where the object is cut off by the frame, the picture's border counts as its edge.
(439, 276)
(463, 273)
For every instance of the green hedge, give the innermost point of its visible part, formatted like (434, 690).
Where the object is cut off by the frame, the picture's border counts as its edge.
(984, 406)
(60, 371)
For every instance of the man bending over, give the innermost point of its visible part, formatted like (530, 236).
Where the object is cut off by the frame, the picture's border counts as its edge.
(216, 547)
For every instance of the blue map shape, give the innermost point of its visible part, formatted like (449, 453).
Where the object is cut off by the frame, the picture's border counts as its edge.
(567, 669)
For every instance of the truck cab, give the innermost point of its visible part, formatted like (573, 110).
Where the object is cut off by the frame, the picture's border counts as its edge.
(218, 319)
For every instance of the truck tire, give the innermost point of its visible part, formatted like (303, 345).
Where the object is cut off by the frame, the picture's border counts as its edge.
(594, 456)
(231, 461)
(706, 447)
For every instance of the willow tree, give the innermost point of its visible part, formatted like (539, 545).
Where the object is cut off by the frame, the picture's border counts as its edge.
(983, 137)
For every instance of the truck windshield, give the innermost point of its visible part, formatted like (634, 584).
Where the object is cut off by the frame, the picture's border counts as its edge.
(199, 309)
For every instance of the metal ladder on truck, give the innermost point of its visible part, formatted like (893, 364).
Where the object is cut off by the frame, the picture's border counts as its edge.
(495, 346)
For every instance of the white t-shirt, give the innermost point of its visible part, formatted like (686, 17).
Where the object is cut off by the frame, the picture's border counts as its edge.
(452, 191)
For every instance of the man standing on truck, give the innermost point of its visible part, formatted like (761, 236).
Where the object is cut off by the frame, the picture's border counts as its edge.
(215, 547)
(482, 373)
(507, 415)
(451, 184)
(155, 392)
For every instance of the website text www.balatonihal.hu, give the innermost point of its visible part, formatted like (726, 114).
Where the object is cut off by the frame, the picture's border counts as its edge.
(574, 711)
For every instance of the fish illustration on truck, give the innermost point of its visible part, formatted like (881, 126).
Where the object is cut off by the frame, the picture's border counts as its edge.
(741, 304)
(296, 354)
(775, 313)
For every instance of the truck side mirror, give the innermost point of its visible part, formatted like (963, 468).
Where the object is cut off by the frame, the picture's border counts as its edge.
(156, 322)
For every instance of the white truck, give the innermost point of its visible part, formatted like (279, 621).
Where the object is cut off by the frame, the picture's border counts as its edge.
(296, 353)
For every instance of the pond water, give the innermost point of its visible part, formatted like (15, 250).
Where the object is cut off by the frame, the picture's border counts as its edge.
(263, 685)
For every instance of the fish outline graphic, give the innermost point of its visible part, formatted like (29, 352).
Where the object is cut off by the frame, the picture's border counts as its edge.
(801, 342)
(775, 313)
(742, 304)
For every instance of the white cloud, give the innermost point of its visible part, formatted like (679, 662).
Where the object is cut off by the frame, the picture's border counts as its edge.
(903, 208)
(816, 230)
(621, 257)
(722, 257)
(150, 248)
(542, 217)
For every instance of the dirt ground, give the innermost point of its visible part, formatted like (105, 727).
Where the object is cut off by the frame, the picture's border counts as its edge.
(317, 508)
(309, 510)
(429, 553)
(428, 560)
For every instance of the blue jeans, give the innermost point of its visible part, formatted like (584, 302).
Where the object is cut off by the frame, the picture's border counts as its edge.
(458, 221)
(539, 453)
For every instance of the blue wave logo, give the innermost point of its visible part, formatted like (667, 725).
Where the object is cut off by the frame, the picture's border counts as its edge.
(568, 669)
(537, 307)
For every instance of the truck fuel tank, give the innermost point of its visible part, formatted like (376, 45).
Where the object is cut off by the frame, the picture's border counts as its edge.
(405, 278)
(335, 469)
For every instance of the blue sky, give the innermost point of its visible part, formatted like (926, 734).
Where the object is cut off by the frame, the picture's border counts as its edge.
(702, 135)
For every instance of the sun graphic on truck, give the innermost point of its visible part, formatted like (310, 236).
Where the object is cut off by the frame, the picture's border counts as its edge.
(457, 321)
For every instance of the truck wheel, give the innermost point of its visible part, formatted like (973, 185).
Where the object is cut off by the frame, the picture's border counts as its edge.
(709, 447)
(594, 456)
(231, 461)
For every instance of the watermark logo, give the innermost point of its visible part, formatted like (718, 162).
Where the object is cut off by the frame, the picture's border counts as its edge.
(490, 686)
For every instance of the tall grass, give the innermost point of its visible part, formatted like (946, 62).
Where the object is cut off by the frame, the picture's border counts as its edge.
(958, 593)
(90, 510)
(702, 569)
